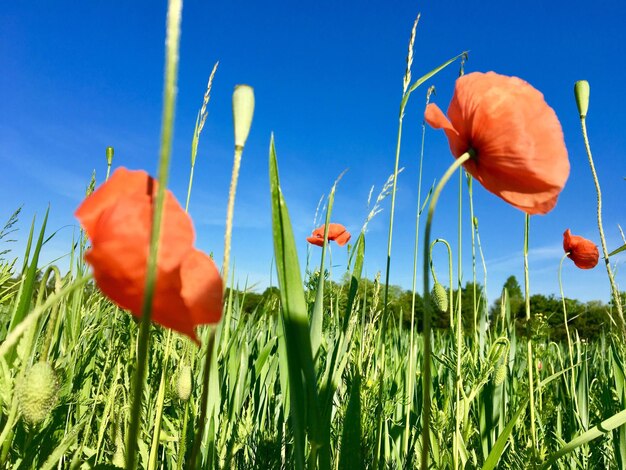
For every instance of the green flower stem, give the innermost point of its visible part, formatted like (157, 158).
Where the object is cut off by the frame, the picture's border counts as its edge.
(174, 12)
(52, 319)
(459, 379)
(409, 393)
(605, 252)
(459, 319)
(109, 154)
(459, 271)
(182, 442)
(529, 349)
(230, 211)
(470, 191)
(405, 98)
(192, 464)
(384, 317)
(426, 366)
(450, 273)
(458, 383)
(156, 432)
(565, 321)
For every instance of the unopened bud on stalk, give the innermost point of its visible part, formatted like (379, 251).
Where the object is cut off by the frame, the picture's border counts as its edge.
(37, 393)
(183, 385)
(118, 457)
(243, 109)
(440, 297)
(500, 375)
(109, 153)
(581, 91)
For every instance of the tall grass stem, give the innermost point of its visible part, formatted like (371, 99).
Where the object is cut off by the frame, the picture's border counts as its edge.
(426, 366)
(174, 12)
(410, 385)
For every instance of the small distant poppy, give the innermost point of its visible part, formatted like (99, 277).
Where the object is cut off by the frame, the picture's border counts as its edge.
(336, 232)
(117, 218)
(520, 153)
(583, 252)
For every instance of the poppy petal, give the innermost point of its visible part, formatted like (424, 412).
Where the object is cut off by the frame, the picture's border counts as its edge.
(520, 152)
(343, 238)
(201, 287)
(122, 183)
(117, 218)
(168, 307)
(315, 241)
(436, 119)
(336, 232)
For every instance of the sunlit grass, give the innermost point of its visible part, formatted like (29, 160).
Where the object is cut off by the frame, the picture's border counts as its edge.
(314, 372)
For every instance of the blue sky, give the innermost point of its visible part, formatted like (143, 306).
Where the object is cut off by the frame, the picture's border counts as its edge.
(328, 81)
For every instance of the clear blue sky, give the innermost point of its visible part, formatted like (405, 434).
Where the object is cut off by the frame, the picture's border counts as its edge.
(80, 76)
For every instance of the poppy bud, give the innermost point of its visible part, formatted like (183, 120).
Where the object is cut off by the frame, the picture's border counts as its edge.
(440, 297)
(109, 154)
(118, 457)
(183, 385)
(37, 393)
(500, 375)
(581, 91)
(243, 109)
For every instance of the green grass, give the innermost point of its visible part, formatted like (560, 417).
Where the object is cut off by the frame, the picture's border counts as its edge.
(347, 392)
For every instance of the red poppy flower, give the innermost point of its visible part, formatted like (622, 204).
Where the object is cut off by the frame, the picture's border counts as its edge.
(117, 218)
(336, 232)
(520, 153)
(583, 252)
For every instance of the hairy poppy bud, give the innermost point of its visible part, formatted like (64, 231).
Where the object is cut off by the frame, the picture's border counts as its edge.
(37, 393)
(440, 297)
(500, 375)
(118, 457)
(243, 109)
(581, 91)
(183, 384)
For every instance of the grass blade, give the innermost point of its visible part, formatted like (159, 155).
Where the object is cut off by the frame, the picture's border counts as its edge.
(601, 429)
(302, 378)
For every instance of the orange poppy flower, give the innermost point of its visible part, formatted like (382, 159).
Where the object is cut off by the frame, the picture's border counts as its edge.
(517, 139)
(583, 252)
(117, 218)
(336, 232)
